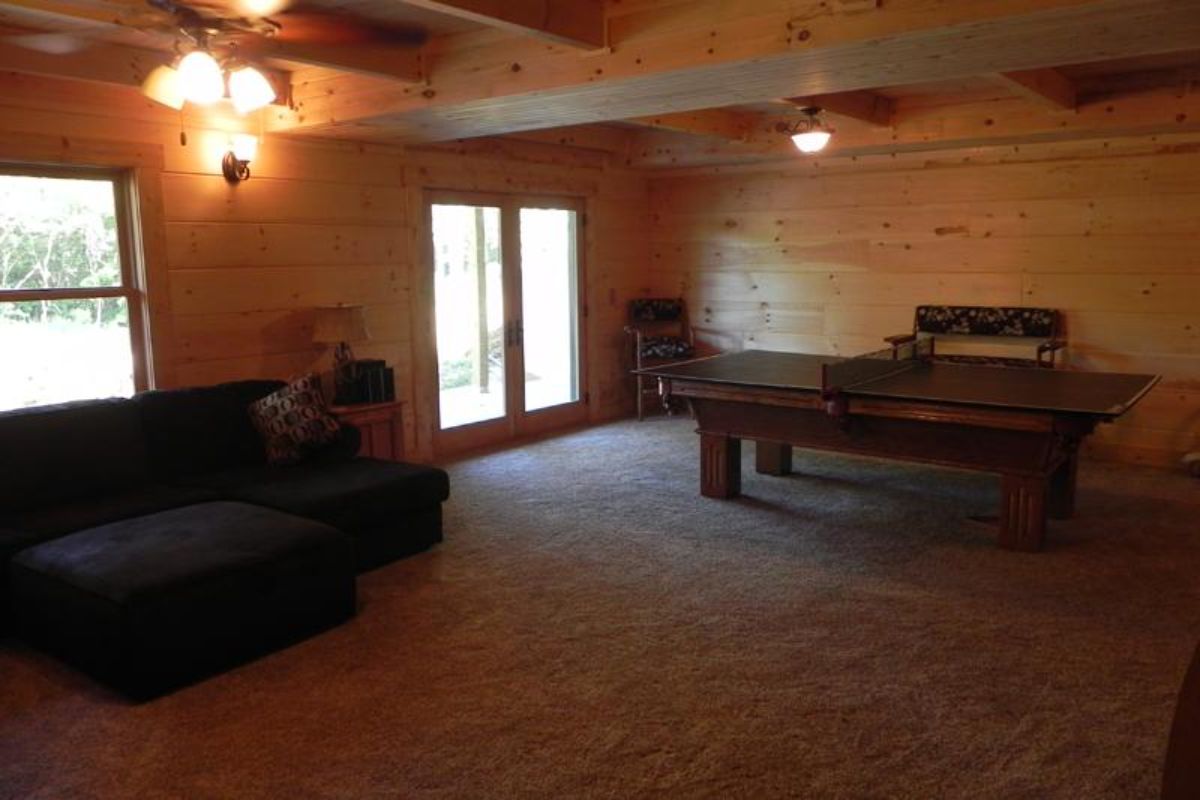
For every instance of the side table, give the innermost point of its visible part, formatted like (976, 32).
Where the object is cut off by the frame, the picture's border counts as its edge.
(381, 426)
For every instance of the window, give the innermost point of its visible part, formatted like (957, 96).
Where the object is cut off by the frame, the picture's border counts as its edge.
(70, 309)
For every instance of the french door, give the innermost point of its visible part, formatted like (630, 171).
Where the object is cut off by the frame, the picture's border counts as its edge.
(507, 286)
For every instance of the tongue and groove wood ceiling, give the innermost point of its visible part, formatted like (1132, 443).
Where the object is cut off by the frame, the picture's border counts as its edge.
(663, 83)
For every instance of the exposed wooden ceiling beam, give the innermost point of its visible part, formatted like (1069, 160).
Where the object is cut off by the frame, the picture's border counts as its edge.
(373, 60)
(105, 63)
(1012, 122)
(719, 123)
(400, 63)
(678, 57)
(575, 23)
(870, 107)
(1102, 87)
(1046, 86)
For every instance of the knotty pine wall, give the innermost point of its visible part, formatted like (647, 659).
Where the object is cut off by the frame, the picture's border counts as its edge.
(320, 222)
(831, 257)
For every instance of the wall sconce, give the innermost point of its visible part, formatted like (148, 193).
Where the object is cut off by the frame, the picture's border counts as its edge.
(243, 147)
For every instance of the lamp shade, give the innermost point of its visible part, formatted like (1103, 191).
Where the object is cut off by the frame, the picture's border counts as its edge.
(163, 85)
(337, 324)
(813, 141)
(201, 77)
(244, 146)
(249, 90)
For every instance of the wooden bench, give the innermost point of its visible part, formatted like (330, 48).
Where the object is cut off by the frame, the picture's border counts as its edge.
(1036, 328)
(660, 334)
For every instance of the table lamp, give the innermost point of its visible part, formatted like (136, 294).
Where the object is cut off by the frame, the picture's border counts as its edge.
(340, 325)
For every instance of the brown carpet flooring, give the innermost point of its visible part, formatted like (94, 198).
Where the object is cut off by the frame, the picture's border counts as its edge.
(593, 628)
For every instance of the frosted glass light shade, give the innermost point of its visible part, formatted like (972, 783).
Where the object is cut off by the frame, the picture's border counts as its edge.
(811, 141)
(244, 146)
(163, 85)
(249, 90)
(200, 75)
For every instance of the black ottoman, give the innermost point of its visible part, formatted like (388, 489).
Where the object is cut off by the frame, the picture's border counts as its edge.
(153, 602)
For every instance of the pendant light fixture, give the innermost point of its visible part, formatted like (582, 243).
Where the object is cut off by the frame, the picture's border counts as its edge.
(809, 133)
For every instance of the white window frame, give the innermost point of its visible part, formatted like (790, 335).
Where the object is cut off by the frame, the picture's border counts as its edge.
(133, 279)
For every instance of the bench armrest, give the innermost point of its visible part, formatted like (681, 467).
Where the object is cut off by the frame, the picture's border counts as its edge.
(900, 338)
(1049, 348)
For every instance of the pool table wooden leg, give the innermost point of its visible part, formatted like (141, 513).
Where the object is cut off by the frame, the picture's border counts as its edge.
(772, 458)
(1023, 512)
(1062, 488)
(720, 465)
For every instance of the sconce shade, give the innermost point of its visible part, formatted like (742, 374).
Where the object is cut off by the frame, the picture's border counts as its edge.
(163, 85)
(249, 90)
(337, 324)
(244, 146)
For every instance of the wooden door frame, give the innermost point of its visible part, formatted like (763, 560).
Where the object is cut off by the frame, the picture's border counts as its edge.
(431, 438)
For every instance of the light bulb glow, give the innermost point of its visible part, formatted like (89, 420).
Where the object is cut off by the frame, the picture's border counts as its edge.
(163, 85)
(260, 8)
(249, 90)
(811, 141)
(244, 146)
(201, 78)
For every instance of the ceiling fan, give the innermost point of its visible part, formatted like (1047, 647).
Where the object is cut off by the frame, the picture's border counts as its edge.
(244, 24)
(212, 38)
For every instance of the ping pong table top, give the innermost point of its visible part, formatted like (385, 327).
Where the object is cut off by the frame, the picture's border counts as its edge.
(1101, 394)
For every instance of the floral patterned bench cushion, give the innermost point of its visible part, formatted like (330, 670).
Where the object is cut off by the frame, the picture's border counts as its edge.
(988, 361)
(988, 321)
(655, 309)
(665, 347)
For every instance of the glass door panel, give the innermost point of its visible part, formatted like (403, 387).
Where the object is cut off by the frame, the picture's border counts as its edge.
(549, 324)
(469, 310)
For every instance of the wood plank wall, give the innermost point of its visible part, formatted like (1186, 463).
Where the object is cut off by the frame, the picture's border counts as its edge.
(324, 222)
(831, 258)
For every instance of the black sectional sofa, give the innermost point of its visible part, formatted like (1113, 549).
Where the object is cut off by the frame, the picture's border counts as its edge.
(148, 542)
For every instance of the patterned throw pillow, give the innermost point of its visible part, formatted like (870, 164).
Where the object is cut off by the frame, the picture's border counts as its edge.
(294, 420)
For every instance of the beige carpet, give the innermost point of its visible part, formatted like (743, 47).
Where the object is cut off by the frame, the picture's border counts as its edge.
(593, 628)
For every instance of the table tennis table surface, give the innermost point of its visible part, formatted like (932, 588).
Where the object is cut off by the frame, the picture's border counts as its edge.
(1101, 394)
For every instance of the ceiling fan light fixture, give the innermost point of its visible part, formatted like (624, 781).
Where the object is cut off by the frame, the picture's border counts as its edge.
(201, 78)
(249, 89)
(260, 8)
(163, 85)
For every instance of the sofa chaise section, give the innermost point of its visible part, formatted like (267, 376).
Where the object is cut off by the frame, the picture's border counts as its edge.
(74, 466)
(149, 603)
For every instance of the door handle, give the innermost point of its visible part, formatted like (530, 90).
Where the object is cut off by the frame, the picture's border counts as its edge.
(514, 333)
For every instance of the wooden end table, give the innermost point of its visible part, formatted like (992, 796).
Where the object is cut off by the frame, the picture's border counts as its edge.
(381, 426)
